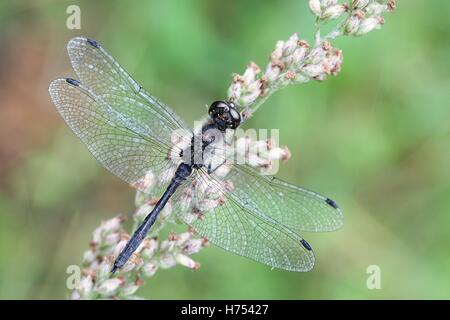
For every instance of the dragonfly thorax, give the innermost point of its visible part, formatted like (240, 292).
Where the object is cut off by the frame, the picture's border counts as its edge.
(224, 115)
(206, 148)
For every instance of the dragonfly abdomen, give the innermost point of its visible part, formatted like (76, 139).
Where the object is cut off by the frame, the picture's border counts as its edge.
(183, 171)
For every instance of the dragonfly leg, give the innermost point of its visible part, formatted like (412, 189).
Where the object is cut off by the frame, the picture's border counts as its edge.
(210, 171)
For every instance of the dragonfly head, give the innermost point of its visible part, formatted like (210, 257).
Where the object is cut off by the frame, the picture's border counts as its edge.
(225, 115)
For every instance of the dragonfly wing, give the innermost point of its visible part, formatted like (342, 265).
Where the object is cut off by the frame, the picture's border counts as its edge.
(108, 135)
(98, 70)
(296, 208)
(238, 228)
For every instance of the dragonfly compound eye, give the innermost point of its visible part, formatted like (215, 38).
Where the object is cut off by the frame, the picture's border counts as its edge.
(225, 115)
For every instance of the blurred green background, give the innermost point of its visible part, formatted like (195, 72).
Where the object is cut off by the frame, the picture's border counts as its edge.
(375, 138)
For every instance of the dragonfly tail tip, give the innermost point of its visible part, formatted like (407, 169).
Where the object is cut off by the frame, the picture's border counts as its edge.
(114, 269)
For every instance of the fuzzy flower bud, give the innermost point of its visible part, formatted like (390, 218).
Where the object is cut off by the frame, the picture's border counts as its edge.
(315, 7)
(391, 5)
(86, 285)
(222, 171)
(299, 55)
(146, 183)
(193, 246)
(375, 8)
(235, 89)
(167, 261)
(149, 248)
(312, 70)
(112, 225)
(108, 287)
(272, 72)
(276, 55)
(183, 238)
(334, 12)
(250, 73)
(131, 288)
(168, 245)
(134, 262)
(104, 269)
(290, 45)
(359, 4)
(149, 269)
(329, 3)
(317, 55)
(369, 24)
(111, 239)
(352, 24)
(186, 261)
(279, 154)
(88, 257)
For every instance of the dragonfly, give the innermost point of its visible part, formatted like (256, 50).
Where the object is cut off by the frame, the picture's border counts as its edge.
(134, 136)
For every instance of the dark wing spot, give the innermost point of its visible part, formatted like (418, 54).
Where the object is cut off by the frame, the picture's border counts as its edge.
(305, 244)
(73, 82)
(331, 203)
(93, 43)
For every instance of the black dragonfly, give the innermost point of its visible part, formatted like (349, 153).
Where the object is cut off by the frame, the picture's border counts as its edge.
(135, 136)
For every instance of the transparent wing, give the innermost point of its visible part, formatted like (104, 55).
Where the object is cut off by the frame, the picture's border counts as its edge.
(296, 208)
(238, 228)
(108, 134)
(98, 70)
